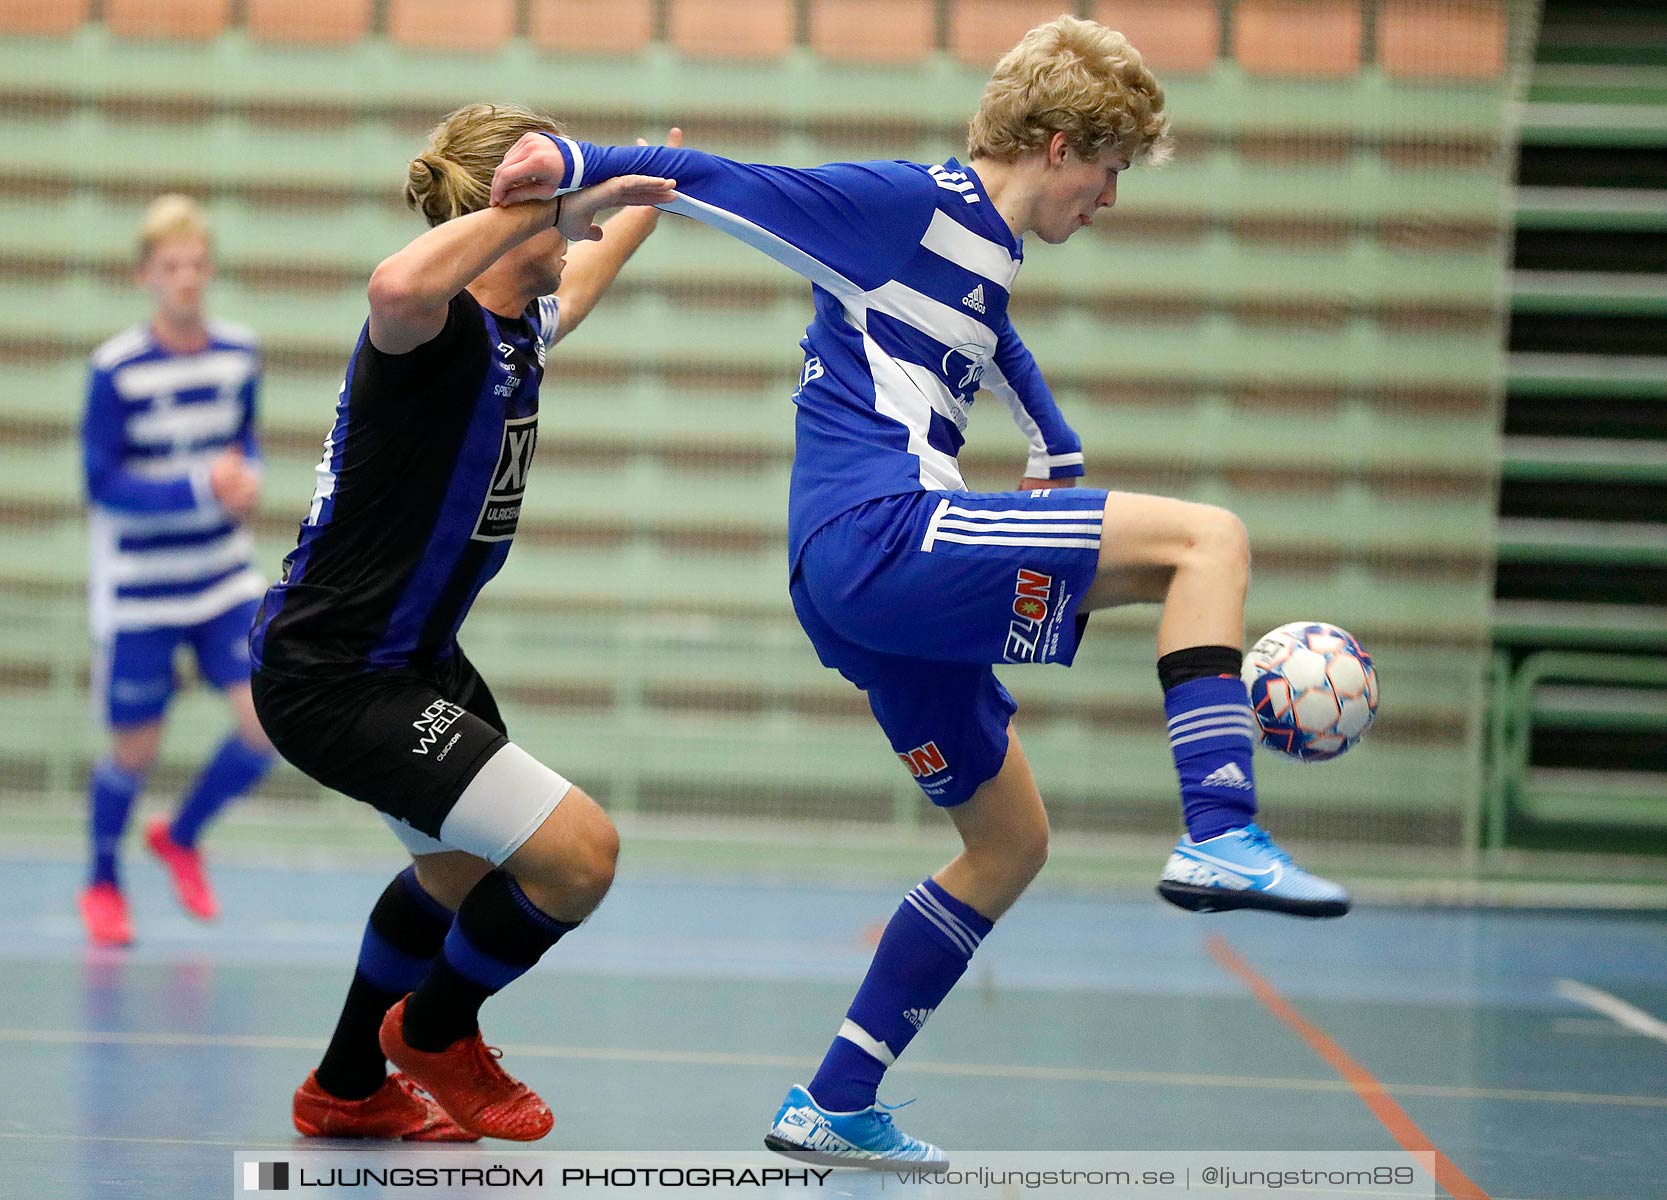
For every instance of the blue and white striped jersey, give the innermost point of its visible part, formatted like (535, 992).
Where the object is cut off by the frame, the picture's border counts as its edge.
(164, 553)
(910, 267)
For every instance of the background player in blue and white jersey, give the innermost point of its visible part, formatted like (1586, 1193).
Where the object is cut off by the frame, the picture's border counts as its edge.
(359, 677)
(173, 474)
(912, 586)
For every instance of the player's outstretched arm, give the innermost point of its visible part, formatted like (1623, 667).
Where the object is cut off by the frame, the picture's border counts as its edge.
(592, 267)
(410, 289)
(843, 226)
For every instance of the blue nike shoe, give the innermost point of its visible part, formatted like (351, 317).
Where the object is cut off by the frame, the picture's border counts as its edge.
(866, 1138)
(1245, 868)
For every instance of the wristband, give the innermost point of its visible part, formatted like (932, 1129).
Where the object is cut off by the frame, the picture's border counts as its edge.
(573, 161)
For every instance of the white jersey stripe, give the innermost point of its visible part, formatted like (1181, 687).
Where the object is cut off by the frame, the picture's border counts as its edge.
(949, 239)
(934, 318)
(223, 369)
(783, 251)
(896, 396)
(189, 610)
(172, 424)
(171, 566)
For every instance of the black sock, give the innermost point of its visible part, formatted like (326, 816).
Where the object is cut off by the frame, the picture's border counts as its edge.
(498, 935)
(1198, 662)
(402, 939)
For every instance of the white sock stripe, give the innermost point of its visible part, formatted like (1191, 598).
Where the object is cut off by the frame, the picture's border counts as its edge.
(1244, 706)
(1248, 721)
(866, 1042)
(956, 937)
(943, 909)
(1236, 734)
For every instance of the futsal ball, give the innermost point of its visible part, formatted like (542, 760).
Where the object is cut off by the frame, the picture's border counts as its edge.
(1313, 688)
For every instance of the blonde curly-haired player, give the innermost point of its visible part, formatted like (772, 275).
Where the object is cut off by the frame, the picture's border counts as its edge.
(912, 586)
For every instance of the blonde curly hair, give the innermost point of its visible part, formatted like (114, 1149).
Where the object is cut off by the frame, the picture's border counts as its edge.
(453, 174)
(1078, 78)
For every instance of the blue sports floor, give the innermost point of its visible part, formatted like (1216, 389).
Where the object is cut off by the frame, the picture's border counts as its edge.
(679, 1015)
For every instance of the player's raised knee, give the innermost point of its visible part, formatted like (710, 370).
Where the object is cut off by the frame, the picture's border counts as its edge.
(1218, 534)
(567, 866)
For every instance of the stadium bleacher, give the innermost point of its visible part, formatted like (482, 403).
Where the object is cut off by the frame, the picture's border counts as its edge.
(1301, 318)
(1581, 614)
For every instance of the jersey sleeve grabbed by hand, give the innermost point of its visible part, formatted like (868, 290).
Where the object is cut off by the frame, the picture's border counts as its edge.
(840, 226)
(1055, 448)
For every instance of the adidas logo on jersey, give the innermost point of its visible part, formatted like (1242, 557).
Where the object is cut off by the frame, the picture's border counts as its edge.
(975, 299)
(1229, 776)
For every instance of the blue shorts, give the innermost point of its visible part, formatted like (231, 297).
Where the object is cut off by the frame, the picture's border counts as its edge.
(137, 666)
(914, 598)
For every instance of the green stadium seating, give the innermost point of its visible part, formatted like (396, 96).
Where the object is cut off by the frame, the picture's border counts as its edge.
(1298, 319)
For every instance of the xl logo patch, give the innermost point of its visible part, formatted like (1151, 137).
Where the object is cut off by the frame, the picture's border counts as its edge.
(502, 510)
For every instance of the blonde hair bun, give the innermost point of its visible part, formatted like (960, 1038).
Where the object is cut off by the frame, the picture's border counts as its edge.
(453, 174)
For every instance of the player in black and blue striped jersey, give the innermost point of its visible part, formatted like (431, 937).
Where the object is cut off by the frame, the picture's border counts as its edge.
(359, 679)
(173, 472)
(914, 587)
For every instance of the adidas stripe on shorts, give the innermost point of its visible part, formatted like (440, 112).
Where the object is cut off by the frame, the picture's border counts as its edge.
(915, 598)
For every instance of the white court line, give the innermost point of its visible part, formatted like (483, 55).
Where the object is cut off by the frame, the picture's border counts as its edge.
(1613, 1007)
(777, 1062)
(237, 1144)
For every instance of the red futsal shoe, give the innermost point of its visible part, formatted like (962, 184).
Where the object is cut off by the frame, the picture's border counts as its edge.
(397, 1109)
(104, 913)
(185, 868)
(468, 1083)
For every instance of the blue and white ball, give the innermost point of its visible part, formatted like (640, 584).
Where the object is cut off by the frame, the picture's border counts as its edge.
(1313, 689)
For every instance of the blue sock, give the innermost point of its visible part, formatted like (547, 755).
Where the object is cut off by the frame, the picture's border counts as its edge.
(402, 938)
(1211, 734)
(233, 770)
(112, 792)
(924, 950)
(498, 936)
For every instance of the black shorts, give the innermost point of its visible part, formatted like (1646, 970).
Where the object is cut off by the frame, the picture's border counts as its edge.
(406, 742)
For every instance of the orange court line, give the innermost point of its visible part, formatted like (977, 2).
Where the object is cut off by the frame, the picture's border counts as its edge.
(1372, 1093)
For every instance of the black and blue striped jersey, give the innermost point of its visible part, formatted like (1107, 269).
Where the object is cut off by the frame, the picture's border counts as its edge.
(417, 498)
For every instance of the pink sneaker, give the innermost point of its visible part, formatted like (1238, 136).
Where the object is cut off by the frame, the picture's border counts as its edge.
(185, 869)
(104, 913)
